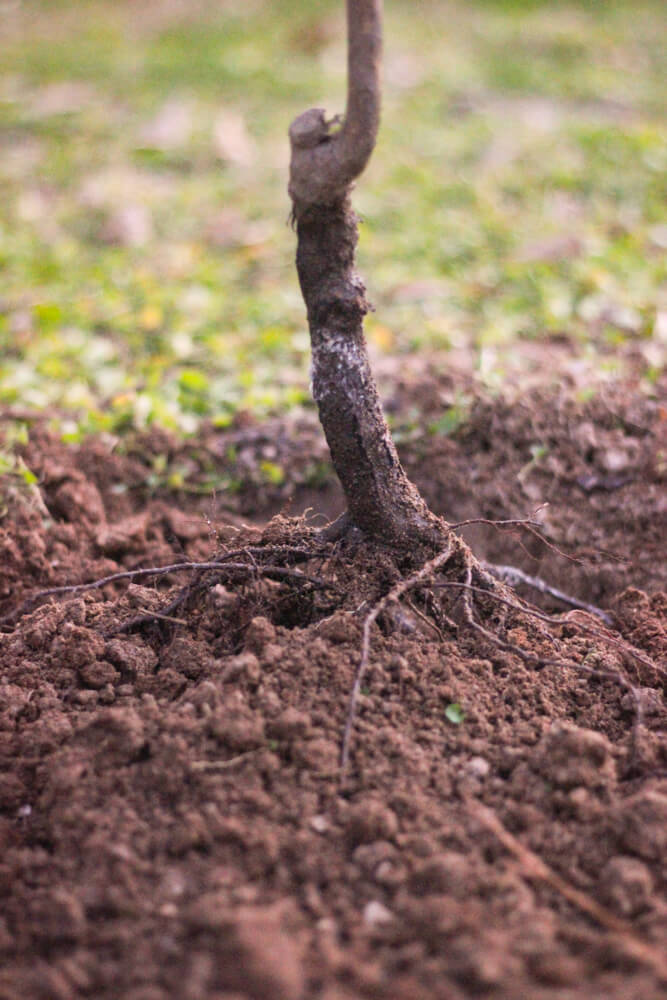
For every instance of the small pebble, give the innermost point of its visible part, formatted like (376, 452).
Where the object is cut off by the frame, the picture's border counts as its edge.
(376, 914)
(478, 767)
(320, 824)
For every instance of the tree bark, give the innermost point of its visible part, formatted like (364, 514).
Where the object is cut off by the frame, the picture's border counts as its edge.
(382, 502)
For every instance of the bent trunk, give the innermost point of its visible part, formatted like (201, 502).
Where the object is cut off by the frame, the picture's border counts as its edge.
(382, 502)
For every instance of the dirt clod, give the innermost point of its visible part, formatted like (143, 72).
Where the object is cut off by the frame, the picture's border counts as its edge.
(626, 884)
(569, 756)
(642, 823)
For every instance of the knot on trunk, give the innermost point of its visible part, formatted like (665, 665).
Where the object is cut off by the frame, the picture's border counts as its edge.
(316, 177)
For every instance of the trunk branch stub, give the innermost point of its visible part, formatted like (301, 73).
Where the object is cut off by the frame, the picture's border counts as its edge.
(382, 502)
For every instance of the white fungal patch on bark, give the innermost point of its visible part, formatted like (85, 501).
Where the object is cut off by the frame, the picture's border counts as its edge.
(340, 359)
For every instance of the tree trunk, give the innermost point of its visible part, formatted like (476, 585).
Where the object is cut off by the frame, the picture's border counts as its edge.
(382, 502)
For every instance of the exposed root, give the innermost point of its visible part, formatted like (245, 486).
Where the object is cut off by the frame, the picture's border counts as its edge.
(623, 646)
(427, 621)
(402, 587)
(514, 575)
(513, 522)
(224, 765)
(165, 618)
(165, 614)
(285, 543)
(487, 588)
(528, 524)
(535, 869)
(560, 661)
(223, 565)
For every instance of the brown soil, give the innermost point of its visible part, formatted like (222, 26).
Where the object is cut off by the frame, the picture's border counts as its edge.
(172, 819)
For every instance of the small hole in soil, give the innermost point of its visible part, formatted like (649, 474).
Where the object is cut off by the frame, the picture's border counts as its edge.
(143, 754)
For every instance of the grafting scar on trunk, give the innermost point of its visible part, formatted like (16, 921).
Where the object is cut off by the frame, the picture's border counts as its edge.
(382, 502)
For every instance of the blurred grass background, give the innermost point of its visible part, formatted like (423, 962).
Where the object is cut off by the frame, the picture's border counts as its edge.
(517, 198)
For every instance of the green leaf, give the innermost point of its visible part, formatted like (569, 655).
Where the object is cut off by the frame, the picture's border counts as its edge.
(193, 381)
(538, 451)
(272, 473)
(452, 418)
(26, 474)
(454, 713)
(48, 314)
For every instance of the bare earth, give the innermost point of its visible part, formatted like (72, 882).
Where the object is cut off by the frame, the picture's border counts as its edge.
(172, 818)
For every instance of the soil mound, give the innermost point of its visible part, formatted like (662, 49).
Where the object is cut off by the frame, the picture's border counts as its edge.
(173, 821)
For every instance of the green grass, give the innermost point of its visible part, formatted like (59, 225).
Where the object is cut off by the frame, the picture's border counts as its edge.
(518, 193)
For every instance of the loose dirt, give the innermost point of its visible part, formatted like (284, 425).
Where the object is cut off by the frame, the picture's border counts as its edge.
(173, 822)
